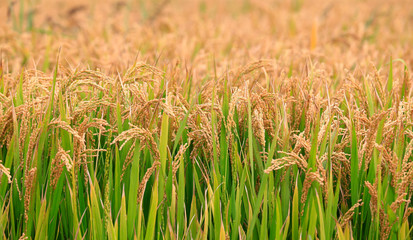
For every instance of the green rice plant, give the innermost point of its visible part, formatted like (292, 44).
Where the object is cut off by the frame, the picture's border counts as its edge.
(149, 152)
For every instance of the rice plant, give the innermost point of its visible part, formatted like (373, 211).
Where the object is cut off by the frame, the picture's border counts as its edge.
(298, 144)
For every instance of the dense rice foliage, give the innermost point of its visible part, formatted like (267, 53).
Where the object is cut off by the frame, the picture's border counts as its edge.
(224, 135)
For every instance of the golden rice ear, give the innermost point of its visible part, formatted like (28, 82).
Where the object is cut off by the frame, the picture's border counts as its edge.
(32, 142)
(24, 128)
(370, 137)
(178, 156)
(66, 126)
(310, 177)
(128, 160)
(145, 179)
(373, 200)
(5, 171)
(343, 220)
(29, 184)
(258, 127)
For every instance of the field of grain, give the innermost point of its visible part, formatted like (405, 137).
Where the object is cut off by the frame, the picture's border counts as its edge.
(196, 119)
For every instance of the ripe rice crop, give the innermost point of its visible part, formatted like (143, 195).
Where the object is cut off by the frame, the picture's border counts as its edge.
(200, 119)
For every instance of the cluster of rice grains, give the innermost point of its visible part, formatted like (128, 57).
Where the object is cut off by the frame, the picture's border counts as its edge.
(206, 119)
